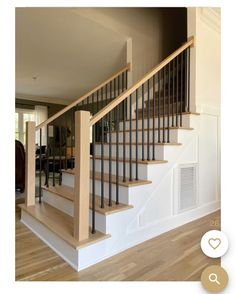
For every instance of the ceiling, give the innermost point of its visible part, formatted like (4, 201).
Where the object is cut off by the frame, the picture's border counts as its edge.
(61, 54)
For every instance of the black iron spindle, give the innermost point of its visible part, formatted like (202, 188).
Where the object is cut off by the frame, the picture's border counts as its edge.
(177, 90)
(142, 122)
(47, 160)
(181, 87)
(153, 118)
(188, 79)
(60, 138)
(110, 154)
(168, 117)
(124, 142)
(148, 121)
(53, 156)
(173, 90)
(102, 155)
(130, 139)
(159, 105)
(66, 127)
(71, 137)
(185, 80)
(93, 181)
(117, 154)
(136, 139)
(163, 106)
(40, 164)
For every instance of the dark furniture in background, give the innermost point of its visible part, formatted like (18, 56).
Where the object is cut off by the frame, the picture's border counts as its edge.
(19, 166)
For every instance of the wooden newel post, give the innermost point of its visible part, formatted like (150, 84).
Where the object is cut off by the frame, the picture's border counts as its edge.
(82, 175)
(30, 164)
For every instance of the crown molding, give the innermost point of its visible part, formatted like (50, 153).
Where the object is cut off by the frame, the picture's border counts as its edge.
(43, 99)
(211, 17)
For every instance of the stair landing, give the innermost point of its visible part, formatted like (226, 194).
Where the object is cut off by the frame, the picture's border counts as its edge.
(60, 224)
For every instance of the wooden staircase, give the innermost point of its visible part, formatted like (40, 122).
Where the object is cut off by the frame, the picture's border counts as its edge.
(105, 202)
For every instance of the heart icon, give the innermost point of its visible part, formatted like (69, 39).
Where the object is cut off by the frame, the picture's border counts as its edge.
(214, 242)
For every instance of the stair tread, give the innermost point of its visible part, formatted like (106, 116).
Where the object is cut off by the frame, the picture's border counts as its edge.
(161, 115)
(61, 224)
(140, 143)
(68, 193)
(113, 179)
(133, 160)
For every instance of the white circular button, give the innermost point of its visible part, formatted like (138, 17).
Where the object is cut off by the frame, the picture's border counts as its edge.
(214, 243)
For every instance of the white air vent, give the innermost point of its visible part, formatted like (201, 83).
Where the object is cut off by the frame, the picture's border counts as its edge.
(186, 187)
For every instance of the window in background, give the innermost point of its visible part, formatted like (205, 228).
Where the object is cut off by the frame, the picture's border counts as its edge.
(21, 117)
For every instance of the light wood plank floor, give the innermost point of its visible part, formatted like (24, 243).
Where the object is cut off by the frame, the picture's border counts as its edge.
(173, 256)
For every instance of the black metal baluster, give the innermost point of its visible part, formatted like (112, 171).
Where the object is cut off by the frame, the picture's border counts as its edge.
(102, 155)
(110, 88)
(181, 88)
(142, 122)
(60, 174)
(110, 154)
(87, 104)
(163, 105)
(153, 118)
(173, 90)
(130, 139)
(48, 153)
(40, 164)
(93, 182)
(117, 147)
(124, 142)
(71, 137)
(136, 139)
(53, 155)
(66, 140)
(148, 121)
(177, 90)
(93, 169)
(159, 105)
(188, 79)
(168, 118)
(185, 80)
(126, 87)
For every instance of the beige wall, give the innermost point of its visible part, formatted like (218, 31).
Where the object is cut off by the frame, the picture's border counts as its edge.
(155, 33)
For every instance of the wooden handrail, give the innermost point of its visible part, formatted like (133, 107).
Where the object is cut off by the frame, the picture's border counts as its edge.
(77, 101)
(129, 91)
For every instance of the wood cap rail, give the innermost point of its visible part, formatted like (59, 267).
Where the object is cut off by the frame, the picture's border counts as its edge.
(126, 94)
(77, 101)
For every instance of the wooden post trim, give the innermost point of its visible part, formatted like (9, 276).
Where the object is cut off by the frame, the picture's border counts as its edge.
(82, 168)
(30, 164)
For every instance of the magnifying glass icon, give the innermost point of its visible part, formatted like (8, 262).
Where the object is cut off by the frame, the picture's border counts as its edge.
(213, 278)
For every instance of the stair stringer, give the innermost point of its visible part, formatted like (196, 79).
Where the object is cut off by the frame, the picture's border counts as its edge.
(141, 223)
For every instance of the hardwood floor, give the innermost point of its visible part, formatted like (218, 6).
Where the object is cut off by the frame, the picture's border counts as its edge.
(173, 256)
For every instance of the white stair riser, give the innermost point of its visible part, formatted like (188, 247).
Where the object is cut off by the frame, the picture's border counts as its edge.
(159, 151)
(173, 136)
(67, 206)
(68, 180)
(185, 122)
(142, 168)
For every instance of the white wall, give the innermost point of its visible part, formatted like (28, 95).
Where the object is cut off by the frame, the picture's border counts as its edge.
(204, 24)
